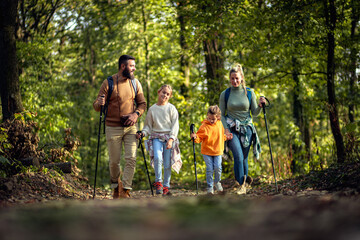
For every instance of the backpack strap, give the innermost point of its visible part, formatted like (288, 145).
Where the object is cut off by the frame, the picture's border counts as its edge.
(248, 91)
(227, 95)
(111, 88)
(133, 82)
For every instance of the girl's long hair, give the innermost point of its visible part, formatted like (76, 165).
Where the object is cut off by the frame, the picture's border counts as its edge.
(164, 86)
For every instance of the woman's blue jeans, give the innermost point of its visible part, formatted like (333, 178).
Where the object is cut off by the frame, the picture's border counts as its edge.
(240, 154)
(162, 156)
(213, 167)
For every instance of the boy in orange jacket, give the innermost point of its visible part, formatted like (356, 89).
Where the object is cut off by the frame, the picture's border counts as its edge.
(211, 135)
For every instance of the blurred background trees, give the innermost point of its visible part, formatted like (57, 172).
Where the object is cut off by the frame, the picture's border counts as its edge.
(302, 55)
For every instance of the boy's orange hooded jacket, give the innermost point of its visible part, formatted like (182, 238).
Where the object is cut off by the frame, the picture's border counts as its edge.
(212, 138)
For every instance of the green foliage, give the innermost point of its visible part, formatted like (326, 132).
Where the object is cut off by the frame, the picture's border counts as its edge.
(4, 163)
(4, 160)
(43, 86)
(352, 139)
(4, 143)
(63, 67)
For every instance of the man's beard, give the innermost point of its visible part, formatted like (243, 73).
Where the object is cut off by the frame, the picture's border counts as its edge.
(126, 73)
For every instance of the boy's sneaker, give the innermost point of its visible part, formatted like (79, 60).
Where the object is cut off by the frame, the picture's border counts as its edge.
(218, 187)
(166, 191)
(158, 187)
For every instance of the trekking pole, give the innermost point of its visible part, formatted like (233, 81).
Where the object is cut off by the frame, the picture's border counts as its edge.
(268, 136)
(193, 140)
(98, 149)
(147, 170)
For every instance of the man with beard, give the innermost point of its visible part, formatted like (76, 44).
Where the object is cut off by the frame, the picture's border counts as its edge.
(126, 104)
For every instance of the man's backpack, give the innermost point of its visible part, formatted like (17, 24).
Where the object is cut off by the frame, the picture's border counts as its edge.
(111, 87)
(227, 95)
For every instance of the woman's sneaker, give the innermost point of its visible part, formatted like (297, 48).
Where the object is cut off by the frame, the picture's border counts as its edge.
(242, 190)
(158, 187)
(249, 180)
(166, 191)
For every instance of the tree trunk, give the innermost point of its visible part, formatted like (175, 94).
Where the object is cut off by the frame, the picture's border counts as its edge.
(65, 167)
(89, 56)
(147, 63)
(350, 140)
(353, 58)
(35, 17)
(300, 118)
(184, 58)
(92, 65)
(214, 68)
(297, 113)
(330, 13)
(9, 79)
(307, 138)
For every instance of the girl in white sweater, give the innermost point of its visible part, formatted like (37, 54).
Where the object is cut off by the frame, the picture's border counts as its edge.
(162, 127)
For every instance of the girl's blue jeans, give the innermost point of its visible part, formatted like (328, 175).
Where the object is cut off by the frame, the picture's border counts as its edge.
(213, 167)
(162, 156)
(240, 155)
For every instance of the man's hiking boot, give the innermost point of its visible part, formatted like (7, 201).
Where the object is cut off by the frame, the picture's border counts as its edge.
(117, 190)
(158, 187)
(125, 193)
(116, 194)
(166, 191)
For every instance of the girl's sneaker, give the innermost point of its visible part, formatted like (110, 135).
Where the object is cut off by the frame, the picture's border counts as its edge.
(158, 187)
(210, 191)
(218, 187)
(166, 191)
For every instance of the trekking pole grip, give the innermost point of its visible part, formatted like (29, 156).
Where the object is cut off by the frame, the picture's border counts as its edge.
(141, 137)
(265, 105)
(267, 100)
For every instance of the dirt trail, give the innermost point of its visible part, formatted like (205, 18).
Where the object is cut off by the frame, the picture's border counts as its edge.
(185, 215)
(40, 206)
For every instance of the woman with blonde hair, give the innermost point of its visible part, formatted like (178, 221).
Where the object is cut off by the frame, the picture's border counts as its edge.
(238, 104)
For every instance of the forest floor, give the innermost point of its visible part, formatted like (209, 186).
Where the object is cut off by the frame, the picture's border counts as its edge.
(47, 205)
